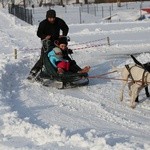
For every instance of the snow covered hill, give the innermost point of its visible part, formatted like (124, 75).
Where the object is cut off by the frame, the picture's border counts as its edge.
(33, 117)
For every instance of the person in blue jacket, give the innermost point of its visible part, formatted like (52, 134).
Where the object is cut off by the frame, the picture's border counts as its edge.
(60, 59)
(57, 60)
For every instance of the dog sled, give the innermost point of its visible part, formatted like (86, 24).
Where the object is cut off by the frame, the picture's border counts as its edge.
(48, 75)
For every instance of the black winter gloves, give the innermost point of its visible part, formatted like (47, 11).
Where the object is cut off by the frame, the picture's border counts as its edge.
(69, 51)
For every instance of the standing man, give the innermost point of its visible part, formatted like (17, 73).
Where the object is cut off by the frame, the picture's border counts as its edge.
(49, 29)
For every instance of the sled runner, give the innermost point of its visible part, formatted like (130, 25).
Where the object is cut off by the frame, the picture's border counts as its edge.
(49, 76)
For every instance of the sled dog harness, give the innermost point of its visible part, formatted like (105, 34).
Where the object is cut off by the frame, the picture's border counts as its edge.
(144, 76)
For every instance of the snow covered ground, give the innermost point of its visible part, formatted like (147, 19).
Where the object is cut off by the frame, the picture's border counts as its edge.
(33, 117)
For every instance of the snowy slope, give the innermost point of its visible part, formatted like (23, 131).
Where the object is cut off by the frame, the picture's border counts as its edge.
(91, 117)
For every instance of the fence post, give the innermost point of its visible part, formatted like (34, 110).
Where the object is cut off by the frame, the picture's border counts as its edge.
(112, 6)
(65, 9)
(15, 53)
(102, 12)
(88, 11)
(80, 15)
(110, 12)
(108, 41)
(95, 10)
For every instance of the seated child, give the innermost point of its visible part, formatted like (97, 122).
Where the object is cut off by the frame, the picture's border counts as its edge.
(63, 63)
(56, 58)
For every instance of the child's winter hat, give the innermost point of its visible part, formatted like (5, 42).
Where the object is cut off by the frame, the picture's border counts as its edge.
(58, 52)
(51, 13)
(62, 40)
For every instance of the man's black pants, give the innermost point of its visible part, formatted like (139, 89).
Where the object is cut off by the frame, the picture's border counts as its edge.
(39, 64)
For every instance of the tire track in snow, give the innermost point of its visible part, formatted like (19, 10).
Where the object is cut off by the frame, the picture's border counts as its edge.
(118, 109)
(105, 109)
(118, 112)
(13, 89)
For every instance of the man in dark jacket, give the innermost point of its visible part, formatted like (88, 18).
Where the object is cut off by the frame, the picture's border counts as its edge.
(49, 29)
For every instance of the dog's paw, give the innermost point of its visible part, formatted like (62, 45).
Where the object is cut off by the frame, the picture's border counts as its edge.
(133, 106)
